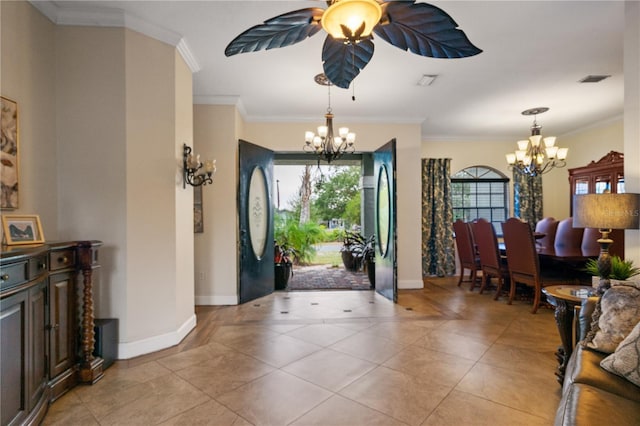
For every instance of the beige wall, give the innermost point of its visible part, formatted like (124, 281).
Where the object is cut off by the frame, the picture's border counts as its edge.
(27, 76)
(104, 113)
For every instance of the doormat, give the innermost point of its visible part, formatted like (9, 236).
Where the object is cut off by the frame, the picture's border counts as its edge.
(324, 277)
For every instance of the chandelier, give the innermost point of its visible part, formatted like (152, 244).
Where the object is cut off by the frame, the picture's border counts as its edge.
(533, 158)
(325, 144)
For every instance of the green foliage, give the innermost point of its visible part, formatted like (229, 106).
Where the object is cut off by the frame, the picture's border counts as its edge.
(620, 269)
(336, 192)
(300, 237)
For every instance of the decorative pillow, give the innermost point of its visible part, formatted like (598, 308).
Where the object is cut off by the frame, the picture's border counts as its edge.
(616, 313)
(625, 361)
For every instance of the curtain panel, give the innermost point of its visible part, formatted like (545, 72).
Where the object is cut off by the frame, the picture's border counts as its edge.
(438, 254)
(527, 198)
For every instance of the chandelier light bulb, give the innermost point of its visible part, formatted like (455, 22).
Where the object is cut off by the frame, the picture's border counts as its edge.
(523, 145)
(322, 131)
(308, 136)
(549, 141)
(343, 132)
(562, 153)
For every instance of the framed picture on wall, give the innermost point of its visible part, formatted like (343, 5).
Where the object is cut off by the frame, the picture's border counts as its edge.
(9, 153)
(22, 229)
(198, 225)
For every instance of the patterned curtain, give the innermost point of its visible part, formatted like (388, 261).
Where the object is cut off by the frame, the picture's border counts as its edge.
(527, 198)
(437, 218)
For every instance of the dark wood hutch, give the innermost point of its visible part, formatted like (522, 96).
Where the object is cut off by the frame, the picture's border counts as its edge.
(47, 326)
(598, 177)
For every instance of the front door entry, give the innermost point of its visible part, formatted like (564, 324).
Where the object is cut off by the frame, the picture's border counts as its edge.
(384, 163)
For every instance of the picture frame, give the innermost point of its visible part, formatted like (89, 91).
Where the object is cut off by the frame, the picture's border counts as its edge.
(198, 222)
(22, 229)
(9, 144)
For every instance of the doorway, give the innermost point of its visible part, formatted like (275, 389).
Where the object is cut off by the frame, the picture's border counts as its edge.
(316, 205)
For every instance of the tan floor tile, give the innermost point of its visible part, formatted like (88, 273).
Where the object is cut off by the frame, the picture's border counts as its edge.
(280, 350)
(454, 344)
(403, 397)
(330, 369)
(430, 365)
(321, 334)
(341, 411)
(211, 413)
(162, 399)
(460, 408)
(533, 391)
(514, 358)
(369, 347)
(193, 356)
(224, 373)
(69, 410)
(403, 332)
(275, 399)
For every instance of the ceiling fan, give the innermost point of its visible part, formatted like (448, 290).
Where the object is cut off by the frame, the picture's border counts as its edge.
(421, 28)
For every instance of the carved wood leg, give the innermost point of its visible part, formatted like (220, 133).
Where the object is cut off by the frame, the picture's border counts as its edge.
(564, 321)
(90, 367)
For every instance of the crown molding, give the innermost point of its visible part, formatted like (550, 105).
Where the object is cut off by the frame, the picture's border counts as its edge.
(102, 17)
(221, 100)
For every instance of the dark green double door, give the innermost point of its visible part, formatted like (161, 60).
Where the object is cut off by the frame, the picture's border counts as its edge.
(255, 210)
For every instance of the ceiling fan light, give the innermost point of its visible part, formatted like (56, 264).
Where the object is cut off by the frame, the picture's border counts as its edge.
(351, 13)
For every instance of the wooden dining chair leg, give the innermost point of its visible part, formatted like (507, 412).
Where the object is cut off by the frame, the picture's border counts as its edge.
(461, 276)
(499, 289)
(512, 290)
(486, 278)
(473, 277)
(536, 300)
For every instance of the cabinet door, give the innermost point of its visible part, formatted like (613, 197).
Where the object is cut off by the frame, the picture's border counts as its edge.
(37, 359)
(13, 353)
(62, 336)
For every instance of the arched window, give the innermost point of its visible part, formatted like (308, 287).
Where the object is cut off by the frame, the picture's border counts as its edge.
(480, 192)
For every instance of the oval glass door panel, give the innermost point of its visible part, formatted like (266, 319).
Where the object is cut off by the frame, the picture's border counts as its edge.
(258, 212)
(382, 208)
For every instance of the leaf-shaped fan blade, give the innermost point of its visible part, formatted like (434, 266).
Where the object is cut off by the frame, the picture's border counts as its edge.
(424, 30)
(281, 31)
(343, 62)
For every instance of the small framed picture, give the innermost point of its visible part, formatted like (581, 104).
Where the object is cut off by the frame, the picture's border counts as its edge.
(22, 229)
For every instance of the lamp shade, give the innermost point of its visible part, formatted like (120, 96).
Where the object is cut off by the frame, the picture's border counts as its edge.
(606, 211)
(351, 14)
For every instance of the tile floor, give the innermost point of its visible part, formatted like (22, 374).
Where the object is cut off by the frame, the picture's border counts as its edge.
(442, 356)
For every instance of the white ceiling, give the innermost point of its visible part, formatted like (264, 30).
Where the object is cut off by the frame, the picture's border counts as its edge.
(534, 54)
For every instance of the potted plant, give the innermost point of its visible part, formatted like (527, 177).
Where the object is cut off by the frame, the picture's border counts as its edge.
(351, 250)
(369, 259)
(283, 265)
(621, 270)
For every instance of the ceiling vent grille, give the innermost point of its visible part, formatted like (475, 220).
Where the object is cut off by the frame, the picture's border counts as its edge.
(593, 78)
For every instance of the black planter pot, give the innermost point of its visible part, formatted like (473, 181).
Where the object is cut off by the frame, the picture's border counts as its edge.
(282, 275)
(350, 262)
(371, 272)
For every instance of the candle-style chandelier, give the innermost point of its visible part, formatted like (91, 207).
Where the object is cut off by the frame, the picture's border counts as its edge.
(326, 145)
(537, 155)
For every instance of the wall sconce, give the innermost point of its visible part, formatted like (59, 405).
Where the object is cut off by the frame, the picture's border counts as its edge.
(190, 166)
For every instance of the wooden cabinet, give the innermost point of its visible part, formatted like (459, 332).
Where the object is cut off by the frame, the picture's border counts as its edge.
(24, 320)
(41, 353)
(598, 177)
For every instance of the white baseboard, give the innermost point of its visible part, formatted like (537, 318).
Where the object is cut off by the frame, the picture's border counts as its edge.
(216, 300)
(152, 344)
(410, 284)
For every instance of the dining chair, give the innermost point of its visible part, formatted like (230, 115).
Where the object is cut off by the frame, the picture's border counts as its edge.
(467, 253)
(568, 237)
(547, 226)
(522, 257)
(491, 262)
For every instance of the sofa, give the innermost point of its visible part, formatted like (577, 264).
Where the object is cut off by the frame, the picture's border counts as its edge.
(592, 395)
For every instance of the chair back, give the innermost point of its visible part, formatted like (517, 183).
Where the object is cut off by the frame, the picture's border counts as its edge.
(522, 256)
(487, 242)
(547, 226)
(464, 243)
(568, 237)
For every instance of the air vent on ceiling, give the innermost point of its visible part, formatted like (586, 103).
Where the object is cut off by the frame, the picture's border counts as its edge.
(593, 78)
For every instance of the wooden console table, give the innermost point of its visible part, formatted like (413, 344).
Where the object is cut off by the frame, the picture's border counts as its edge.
(39, 323)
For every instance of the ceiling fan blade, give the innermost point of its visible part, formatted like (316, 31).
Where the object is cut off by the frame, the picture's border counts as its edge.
(280, 31)
(343, 62)
(423, 29)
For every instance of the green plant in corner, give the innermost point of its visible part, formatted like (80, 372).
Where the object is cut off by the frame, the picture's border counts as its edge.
(621, 269)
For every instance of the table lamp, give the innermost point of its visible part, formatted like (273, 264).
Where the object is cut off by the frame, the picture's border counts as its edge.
(606, 212)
